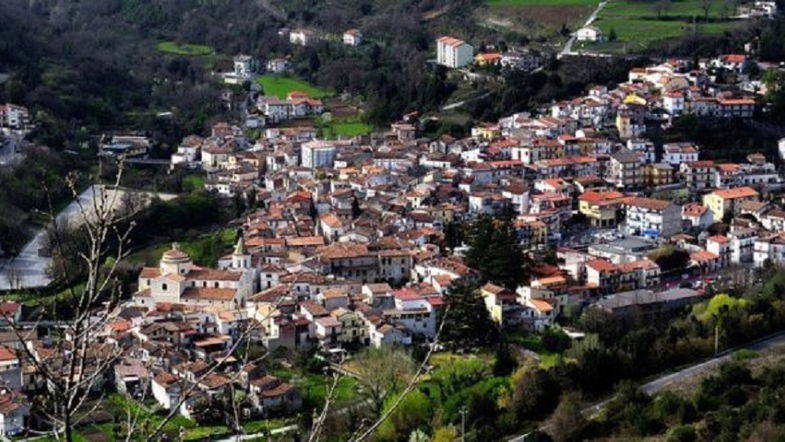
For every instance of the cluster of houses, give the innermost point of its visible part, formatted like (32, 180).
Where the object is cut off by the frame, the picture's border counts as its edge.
(455, 53)
(351, 239)
(297, 104)
(346, 244)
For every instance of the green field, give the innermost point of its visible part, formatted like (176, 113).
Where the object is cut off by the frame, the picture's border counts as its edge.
(343, 129)
(638, 24)
(281, 86)
(540, 2)
(171, 47)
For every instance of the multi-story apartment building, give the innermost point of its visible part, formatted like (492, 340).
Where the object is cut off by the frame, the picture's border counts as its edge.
(677, 153)
(724, 201)
(602, 208)
(698, 175)
(316, 154)
(651, 218)
(453, 52)
(770, 248)
(625, 169)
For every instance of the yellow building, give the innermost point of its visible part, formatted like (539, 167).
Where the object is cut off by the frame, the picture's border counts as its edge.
(602, 208)
(634, 99)
(725, 201)
(657, 174)
(501, 303)
(487, 58)
(353, 328)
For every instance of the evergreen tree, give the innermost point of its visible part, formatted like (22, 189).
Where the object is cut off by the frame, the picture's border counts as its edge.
(494, 251)
(356, 210)
(505, 362)
(468, 323)
(453, 236)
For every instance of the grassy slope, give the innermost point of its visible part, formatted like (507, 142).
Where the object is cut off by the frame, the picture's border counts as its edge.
(205, 250)
(281, 86)
(540, 2)
(171, 47)
(638, 24)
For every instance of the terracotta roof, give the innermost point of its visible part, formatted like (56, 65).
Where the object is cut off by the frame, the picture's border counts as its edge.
(207, 293)
(451, 41)
(694, 209)
(718, 238)
(647, 203)
(602, 197)
(541, 305)
(7, 354)
(703, 255)
(736, 192)
(205, 274)
(601, 265)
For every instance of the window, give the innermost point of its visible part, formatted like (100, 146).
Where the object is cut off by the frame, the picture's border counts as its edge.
(216, 284)
(163, 287)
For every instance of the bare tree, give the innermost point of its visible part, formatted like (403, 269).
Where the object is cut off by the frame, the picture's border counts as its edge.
(73, 367)
(383, 371)
(705, 6)
(662, 7)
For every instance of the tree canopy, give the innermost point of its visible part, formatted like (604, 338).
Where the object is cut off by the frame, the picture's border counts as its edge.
(495, 251)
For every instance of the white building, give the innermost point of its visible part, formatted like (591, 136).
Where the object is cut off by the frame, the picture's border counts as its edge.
(301, 37)
(644, 148)
(453, 52)
(589, 33)
(178, 281)
(245, 65)
(673, 103)
(352, 37)
(651, 218)
(678, 153)
(13, 118)
(318, 153)
(770, 248)
(277, 65)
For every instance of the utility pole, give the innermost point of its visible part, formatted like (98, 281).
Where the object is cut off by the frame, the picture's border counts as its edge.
(463, 424)
(716, 339)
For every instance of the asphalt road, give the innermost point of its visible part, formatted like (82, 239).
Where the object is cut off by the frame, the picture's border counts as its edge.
(770, 342)
(568, 46)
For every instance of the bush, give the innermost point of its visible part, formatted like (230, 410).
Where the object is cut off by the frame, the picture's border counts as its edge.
(682, 434)
(744, 354)
(554, 340)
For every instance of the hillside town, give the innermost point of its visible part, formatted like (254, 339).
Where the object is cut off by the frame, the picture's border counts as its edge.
(350, 242)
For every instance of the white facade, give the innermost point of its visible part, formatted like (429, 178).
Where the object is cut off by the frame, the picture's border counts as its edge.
(653, 222)
(453, 52)
(316, 154)
(677, 153)
(352, 37)
(772, 249)
(588, 33)
(301, 37)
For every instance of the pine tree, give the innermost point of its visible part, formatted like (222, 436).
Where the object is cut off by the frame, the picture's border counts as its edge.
(356, 210)
(468, 324)
(495, 252)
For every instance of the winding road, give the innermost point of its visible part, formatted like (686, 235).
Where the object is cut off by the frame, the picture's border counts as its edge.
(655, 386)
